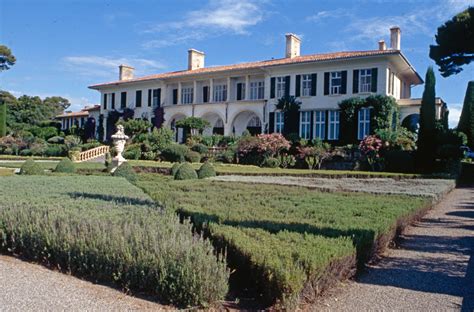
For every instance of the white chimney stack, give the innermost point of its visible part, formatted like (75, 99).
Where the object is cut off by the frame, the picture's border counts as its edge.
(126, 72)
(382, 45)
(195, 59)
(293, 43)
(395, 38)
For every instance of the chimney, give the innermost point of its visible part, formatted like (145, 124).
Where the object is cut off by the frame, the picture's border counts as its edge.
(125, 72)
(382, 45)
(195, 59)
(293, 43)
(395, 38)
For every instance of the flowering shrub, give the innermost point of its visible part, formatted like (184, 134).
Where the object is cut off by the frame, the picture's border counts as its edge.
(253, 150)
(371, 147)
(314, 155)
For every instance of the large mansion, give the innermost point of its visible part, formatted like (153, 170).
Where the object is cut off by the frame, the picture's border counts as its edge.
(242, 96)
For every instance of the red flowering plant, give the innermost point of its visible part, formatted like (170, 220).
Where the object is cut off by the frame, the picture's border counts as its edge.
(371, 147)
(253, 150)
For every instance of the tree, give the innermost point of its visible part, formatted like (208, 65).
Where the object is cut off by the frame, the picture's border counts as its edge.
(7, 59)
(3, 118)
(291, 114)
(455, 43)
(57, 104)
(466, 121)
(193, 124)
(427, 133)
(134, 127)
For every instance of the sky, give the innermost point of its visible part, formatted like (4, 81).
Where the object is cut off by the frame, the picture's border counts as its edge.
(62, 47)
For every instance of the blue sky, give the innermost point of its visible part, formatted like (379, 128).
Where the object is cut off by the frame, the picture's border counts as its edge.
(64, 46)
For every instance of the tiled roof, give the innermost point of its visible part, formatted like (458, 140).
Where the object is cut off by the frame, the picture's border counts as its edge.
(74, 114)
(259, 64)
(91, 108)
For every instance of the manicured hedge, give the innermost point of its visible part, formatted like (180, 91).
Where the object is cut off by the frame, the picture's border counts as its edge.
(65, 166)
(30, 167)
(106, 229)
(185, 172)
(126, 171)
(206, 171)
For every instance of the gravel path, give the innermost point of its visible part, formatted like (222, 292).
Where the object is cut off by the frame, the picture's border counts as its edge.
(433, 270)
(30, 287)
(422, 187)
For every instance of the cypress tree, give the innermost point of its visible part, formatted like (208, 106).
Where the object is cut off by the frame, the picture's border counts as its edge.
(3, 118)
(466, 121)
(427, 133)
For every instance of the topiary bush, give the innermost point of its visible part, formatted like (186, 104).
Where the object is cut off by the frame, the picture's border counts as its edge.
(65, 166)
(193, 157)
(30, 167)
(185, 172)
(271, 162)
(126, 171)
(206, 171)
(175, 153)
(175, 168)
(200, 148)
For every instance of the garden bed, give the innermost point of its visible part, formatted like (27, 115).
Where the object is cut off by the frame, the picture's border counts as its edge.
(107, 230)
(287, 244)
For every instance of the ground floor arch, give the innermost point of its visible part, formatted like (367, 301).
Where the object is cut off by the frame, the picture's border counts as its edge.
(179, 132)
(216, 122)
(246, 120)
(412, 122)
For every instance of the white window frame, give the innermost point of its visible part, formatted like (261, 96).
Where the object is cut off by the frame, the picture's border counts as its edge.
(365, 80)
(306, 85)
(333, 124)
(320, 124)
(279, 122)
(280, 87)
(363, 123)
(305, 125)
(154, 98)
(257, 89)
(187, 95)
(220, 93)
(335, 88)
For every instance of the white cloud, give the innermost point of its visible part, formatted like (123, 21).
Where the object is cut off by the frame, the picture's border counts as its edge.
(106, 67)
(324, 15)
(454, 114)
(218, 17)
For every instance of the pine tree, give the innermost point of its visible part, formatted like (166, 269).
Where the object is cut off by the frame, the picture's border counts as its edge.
(466, 121)
(427, 133)
(3, 118)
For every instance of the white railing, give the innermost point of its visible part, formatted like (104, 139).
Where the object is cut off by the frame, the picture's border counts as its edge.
(92, 153)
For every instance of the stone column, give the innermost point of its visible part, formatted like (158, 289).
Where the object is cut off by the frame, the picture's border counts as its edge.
(194, 92)
(247, 87)
(211, 90)
(179, 93)
(228, 97)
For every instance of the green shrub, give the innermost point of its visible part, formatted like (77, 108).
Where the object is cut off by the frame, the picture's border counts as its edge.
(65, 166)
(107, 230)
(132, 151)
(175, 168)
(175, 153)
(108, 162)
(206, 171)
(55, 150)
(399, 161)
(30, 167)
(125, 170)
(26, 152)
(185, 172)
(193, 157)
(56, 140)
(200, 148)
(271, 162)
(227, 156)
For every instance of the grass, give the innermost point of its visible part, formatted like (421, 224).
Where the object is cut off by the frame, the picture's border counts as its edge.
(286, 238)
(52, 165)
(227, 169)
(105, 229)
(6, 172)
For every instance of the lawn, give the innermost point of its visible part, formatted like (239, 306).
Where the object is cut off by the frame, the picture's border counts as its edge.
(50, 165)
(107, 230)
(286, 242)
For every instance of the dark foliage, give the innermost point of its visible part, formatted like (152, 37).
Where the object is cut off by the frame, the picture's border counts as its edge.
(466, 121)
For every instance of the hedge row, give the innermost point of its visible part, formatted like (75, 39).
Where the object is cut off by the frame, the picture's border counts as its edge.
(105, 229)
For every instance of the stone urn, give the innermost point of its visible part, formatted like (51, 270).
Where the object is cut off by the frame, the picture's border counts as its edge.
(119, 139)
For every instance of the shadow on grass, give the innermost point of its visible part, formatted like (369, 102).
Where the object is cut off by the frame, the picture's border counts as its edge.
(121, 200)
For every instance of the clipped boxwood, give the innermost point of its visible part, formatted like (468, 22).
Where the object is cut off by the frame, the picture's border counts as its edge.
(65, 166)
(30, 167)
(175, 168)
(126, 171)
(200, 148)
(206, 171)
(271, 162)
(175, 153)
(185, 172)
(193, 157)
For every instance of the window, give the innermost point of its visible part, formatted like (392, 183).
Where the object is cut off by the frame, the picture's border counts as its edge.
(138, 98)
(306, 85)
(112, 100)
(365, 80)
(305, 125)
(123, 99)
(336, 82)
(220, 93)
(279, 122)
(364, 123)
(105, 101)
(187, 95)
(333, 133)
(156, 97)
(240, 91)
(256, 90)
(320, 124)
(280, 87)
